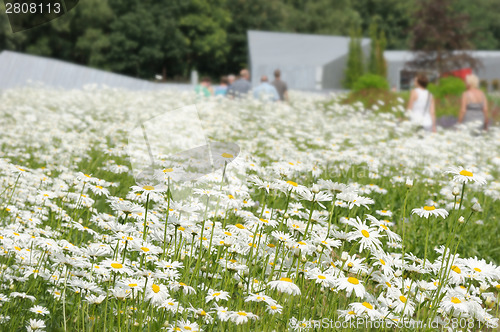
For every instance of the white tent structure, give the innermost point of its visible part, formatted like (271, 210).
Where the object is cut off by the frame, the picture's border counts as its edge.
(307, 62)
(18, 69)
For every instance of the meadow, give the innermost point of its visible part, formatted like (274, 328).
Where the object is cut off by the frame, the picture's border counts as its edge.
(317, 215)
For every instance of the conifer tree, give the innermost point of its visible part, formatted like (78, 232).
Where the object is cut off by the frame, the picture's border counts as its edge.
(354, 59)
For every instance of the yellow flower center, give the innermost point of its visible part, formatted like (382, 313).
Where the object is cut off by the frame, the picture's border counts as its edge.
(429, 208)
(148, 188)
(456, 269)
(382, 261)
(367, 305)
(144, 249)
(388, 284)
(466, 173)
(155, 288)
(227, 155)
(292, 183)
(455, 300)
(321, 277)
(240, 226)
(353, 280)
(477, 269)
(274, 307)
(365, 233)
(98, 187)
(168, 170)
(286, 279)
(402, 298)
(351, 312)
(216, 294)
(116, 265)
(132, 285)
(242, 313)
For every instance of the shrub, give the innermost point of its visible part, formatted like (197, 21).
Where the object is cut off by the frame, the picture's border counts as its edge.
(449, 86)
(370, 81)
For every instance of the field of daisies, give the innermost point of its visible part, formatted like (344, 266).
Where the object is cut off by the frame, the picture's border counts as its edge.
(310, 216)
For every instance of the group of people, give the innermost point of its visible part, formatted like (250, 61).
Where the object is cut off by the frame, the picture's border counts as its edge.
(233, 87)
(422, 108)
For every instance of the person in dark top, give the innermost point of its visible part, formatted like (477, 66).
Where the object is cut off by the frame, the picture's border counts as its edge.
(280, 86)
(241, 86)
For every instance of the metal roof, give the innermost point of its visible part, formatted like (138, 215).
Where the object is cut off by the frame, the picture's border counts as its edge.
(18, 69)
(399, 56)
(296, 48)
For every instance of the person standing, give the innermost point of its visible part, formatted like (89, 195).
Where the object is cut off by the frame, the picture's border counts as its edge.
(230, 79)
(421, 105)
(221, 90)
(204, 88)
(474, 105)
(280, 86)
(241, 86)
(265, 91)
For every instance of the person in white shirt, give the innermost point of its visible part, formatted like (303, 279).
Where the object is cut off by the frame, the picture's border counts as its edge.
(421, 105)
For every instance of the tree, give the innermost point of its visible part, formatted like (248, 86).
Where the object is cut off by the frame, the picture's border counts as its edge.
(381, 68)
(267, 15)
(440, 38)
(354, 68)
(395, 16)
(374, 47)
(332, 17)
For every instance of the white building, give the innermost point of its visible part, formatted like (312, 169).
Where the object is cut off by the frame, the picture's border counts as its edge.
(307, 62)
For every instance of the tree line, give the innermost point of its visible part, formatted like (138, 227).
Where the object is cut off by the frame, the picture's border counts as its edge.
(144, 38)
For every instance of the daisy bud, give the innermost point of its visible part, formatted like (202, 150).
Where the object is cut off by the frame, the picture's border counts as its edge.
(315, 189)
(303, 259)
(296, 252)
(363, 273)
(182, 257)
(398, 273)
(409, 182)
(483, 288)
(203, 269)
(319, 249)
(489, 302)
(476, 207)
(344, 256)
(286, 216)
(240, 285)
(461, 219)
(456, 191)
